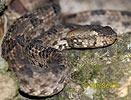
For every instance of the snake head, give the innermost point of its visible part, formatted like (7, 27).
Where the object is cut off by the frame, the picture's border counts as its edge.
(91, 36)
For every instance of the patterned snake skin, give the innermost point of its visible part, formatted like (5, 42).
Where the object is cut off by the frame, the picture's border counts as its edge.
(34, 44)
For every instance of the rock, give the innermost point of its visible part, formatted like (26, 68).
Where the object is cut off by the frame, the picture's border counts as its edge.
(8, 86)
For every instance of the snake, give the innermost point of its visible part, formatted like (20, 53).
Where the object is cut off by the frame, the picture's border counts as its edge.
(34, 44)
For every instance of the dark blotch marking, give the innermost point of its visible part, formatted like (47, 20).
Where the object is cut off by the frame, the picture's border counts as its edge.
(25, 16)
(31, 15)
(63, 39)
(108, 31)
(41, 65)
(32, 90)
(46, 53)
(26, 70)
(62, 80)
(43, 92)
(60, 46)
(55, 90)
(13, 69)
(33, 44)
(72, 16)
(126, 13)
(10, 43)
(20, 40)
(35, 21)
(41, 54)
(55, 43)
(98, 12)
(12, 28)
(56, 8)
(24, 82)
(57, 69)
(52, 31)
(102, 30)
(44, 85)
(28, 15)
(62, 67)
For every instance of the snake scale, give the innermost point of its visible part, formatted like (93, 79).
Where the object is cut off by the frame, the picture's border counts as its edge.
(33, 45)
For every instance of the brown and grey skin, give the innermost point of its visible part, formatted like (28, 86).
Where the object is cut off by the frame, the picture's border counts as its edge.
(120, 21)
(33, 48)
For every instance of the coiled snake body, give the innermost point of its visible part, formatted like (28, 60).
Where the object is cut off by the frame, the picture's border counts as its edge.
(34, 43)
